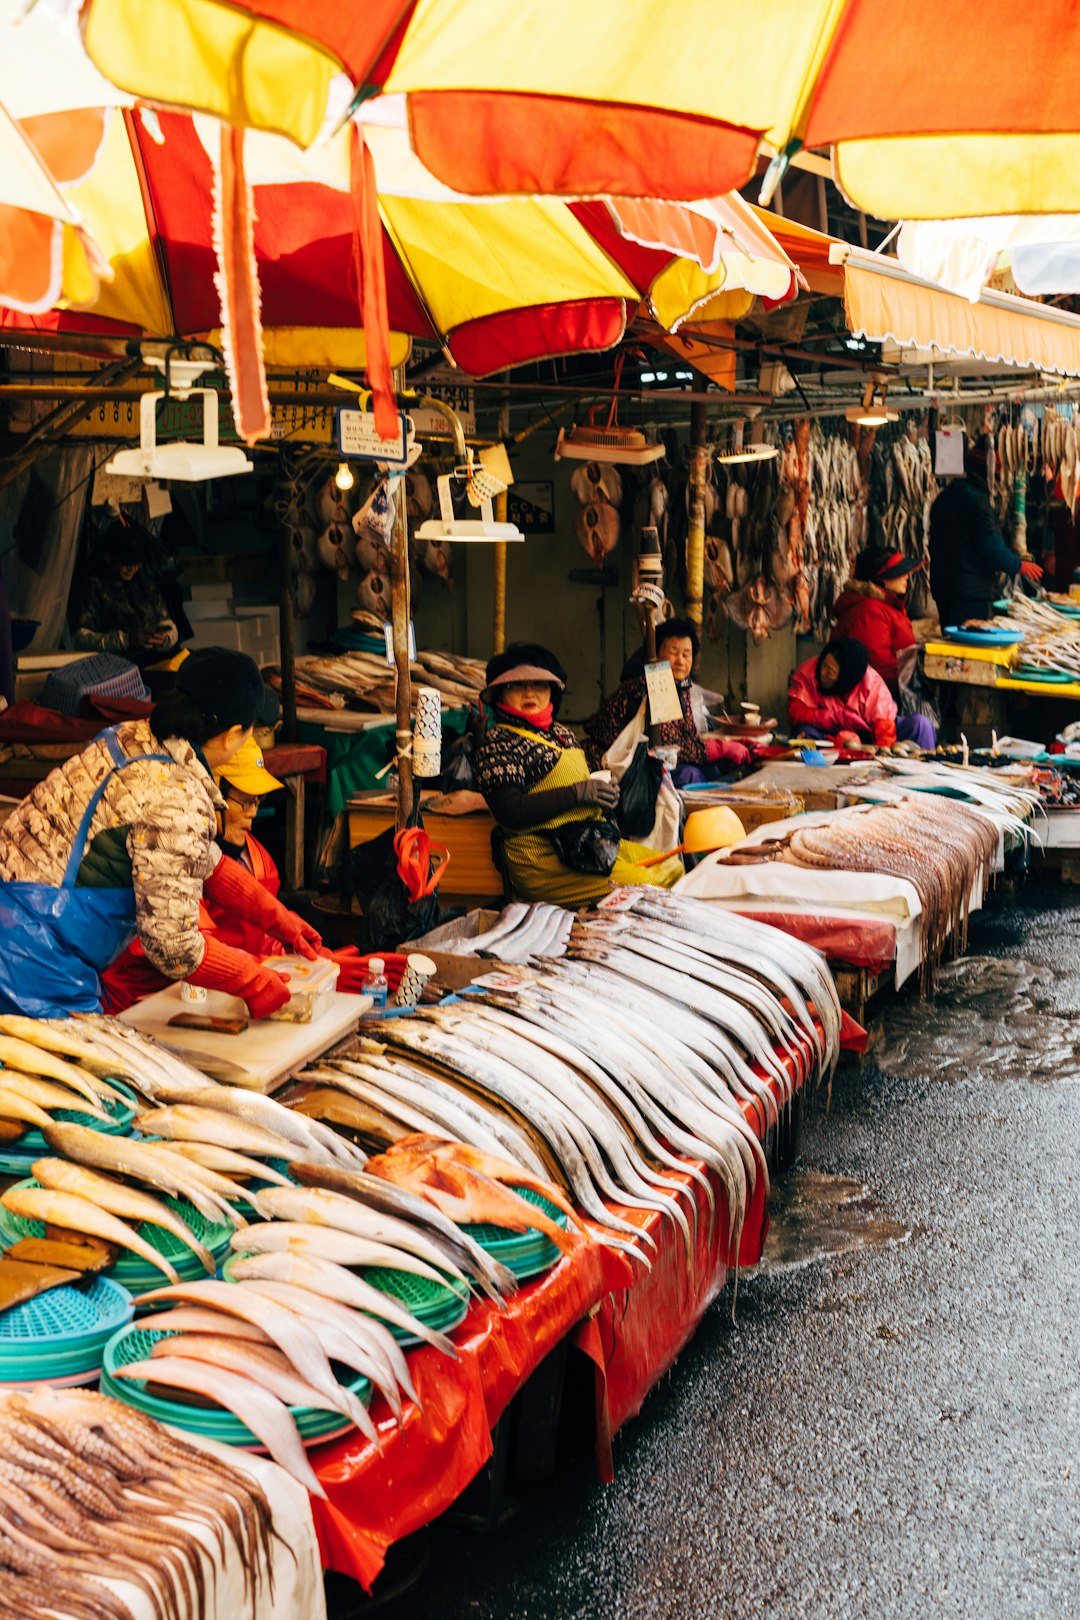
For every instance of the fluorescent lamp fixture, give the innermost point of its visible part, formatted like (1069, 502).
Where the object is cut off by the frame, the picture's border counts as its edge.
(684, 376)
(648, 376)
(742, 450)
(873, 412)
(343, 478)
(468, 530)
(661, 376)
(183, 462)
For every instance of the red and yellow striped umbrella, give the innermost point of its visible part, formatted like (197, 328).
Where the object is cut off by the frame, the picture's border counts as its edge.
(933, 108)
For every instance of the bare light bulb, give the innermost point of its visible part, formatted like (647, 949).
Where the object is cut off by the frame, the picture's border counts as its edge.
(343, 478)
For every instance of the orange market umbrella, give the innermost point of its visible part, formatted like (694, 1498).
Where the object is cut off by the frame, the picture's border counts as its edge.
(934, 109)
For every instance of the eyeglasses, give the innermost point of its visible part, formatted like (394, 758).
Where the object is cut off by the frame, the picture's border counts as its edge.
(248, 805)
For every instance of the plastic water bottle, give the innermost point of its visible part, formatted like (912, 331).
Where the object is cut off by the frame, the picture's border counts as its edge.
(376, 986)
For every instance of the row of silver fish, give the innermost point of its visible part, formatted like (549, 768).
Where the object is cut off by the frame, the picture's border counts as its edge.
(521, 934)
(608, 1070)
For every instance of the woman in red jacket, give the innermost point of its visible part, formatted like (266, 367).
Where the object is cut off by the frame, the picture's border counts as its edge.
(838, 695)
(871, 609)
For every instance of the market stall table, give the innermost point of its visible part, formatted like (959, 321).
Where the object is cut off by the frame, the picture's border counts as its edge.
(632, 1324)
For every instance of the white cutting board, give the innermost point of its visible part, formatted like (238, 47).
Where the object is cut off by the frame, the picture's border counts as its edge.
(265, 1054)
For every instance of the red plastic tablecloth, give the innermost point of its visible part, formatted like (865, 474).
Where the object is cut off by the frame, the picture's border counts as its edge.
(630, 1321)
(863, 943)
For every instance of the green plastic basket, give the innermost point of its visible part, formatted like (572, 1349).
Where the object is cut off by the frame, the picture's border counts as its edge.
(131, 1270)
(526, 1254)
(214, 1422)
(17, 1158)
(63, 1333)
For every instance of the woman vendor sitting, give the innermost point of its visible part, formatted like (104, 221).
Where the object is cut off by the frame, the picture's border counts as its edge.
(558, 844)
(701, 758)
(244, 783)
(838, 695)
(120, 841)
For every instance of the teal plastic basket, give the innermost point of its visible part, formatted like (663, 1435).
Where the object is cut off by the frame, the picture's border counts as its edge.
(17, 1157)
(526, 1254)
(131, 1270)
(62, 1333)
(213, 1422)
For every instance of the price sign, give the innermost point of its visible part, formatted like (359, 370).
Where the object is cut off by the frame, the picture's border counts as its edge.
(358, 440)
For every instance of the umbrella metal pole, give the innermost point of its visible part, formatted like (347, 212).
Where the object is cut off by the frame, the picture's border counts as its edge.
(498, 627)
(400, 613)
(287, 623)
(695, 538)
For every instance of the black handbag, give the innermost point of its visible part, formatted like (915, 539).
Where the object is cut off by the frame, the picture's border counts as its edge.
(639, 789)
(587, 846)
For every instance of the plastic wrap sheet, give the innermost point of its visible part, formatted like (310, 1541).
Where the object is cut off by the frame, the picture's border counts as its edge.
(425, 1466)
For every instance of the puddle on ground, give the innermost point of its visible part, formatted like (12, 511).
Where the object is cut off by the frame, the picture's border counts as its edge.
(989, 1019)
(813, 1216)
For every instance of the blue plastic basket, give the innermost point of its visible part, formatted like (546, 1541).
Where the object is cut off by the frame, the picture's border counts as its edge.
(17, 1157)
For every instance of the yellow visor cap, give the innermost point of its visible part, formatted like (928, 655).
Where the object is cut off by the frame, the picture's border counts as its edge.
(246, 772)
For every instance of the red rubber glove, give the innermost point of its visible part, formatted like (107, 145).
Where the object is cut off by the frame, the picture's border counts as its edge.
(1032, 571)
(848, 739)
(231, 886)
(354, 968)
(727, 749)
(238, 974)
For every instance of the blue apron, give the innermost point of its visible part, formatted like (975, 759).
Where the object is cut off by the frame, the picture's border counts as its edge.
(55, 940)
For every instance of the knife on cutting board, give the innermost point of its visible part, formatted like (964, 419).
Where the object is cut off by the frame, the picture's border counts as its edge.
(216, 1024)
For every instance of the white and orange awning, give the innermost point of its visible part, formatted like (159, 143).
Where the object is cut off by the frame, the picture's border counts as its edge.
(884, 302)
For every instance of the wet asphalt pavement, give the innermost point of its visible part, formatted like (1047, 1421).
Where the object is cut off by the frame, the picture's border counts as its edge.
(892, 1425)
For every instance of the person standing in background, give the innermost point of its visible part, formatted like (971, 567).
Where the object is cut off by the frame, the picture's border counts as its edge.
(968, 552)
(121, 607)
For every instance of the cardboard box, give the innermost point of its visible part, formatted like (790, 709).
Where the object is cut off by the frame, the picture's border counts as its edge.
(452, 971)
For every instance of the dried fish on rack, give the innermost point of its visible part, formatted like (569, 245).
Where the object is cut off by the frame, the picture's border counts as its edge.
(363, 680)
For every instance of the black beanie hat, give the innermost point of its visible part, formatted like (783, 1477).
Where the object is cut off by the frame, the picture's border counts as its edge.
(224, 686)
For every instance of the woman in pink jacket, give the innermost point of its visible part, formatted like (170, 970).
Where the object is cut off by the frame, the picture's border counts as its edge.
(838, 695)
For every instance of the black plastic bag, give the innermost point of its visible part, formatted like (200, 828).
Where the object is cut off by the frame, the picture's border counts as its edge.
(639, 786)
(389, 916)
(587, 846)
(459, 767)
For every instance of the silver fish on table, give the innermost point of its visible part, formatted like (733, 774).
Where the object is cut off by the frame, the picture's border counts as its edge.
(294, 1338)
(265, 1113)
(268, 1418)
(386, 1198)
(325, 1243)
(336, 1283)
(269, 1369)
(350, 1336)
(320, 1207)
(187, 1122)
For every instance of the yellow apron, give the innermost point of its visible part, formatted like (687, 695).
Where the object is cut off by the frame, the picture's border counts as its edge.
(533, 864)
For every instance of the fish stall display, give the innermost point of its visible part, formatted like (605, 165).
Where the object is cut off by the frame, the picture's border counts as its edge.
(278, 1261)
(946, 850)
(99, 1500)
(604, 1072)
